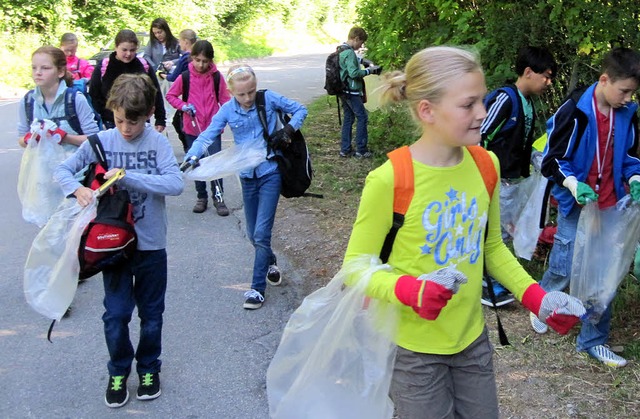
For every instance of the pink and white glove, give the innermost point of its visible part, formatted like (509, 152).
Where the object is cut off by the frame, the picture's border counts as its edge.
(557, 309)
(429, 293)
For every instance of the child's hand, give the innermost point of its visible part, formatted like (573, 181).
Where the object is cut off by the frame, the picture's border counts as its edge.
(580, 190)
(111, 173)
(84, 195)
(634, 188)
(555, 308)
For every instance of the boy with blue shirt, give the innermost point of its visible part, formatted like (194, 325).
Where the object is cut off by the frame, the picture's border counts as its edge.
(591, 156)
(151, 174)
(509, 127)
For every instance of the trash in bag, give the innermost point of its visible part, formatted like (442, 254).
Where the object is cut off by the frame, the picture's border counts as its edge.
(38, 193)
(527, 228)
(229, 161)
(604, 248)
(336, 355)
(52, 267)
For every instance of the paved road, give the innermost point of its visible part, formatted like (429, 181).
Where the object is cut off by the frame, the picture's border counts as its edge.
(215, 353)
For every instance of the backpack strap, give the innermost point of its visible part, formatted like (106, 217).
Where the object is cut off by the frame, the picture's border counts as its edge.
(70, 112)
(103, 66)
(186, 83)
(261, 107)
(29, 101)
(403, 189)
(145, 64)
(216, 85)
(98, 150)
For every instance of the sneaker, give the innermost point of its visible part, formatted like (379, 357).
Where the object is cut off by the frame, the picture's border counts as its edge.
(365, 155)
(273, 275)
(603, 354)
(200, 206)
(149, 387)
(254, 300)
(117, 393)
(221, 208)
(539, 327)
(346, 155)
(502, 298)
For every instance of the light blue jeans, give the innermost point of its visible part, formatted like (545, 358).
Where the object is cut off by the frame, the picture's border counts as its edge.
(558, 276)
(260, 196)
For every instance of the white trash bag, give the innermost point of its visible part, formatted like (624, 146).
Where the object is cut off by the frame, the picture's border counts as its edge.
(52, 267)
(37, 191)
(230, 161)
(604, 248)
(527, 228)
(336, 355)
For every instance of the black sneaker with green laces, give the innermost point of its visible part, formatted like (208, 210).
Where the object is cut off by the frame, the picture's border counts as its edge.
(149, 387)
(117, 393)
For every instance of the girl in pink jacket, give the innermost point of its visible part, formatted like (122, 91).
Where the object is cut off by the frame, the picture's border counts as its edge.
(199, 98)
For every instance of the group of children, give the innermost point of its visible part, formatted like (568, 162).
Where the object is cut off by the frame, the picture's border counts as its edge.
(451, 231)
(125, 91)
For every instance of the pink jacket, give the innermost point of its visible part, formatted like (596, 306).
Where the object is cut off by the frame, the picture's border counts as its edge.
(201, 95)
(79, 68)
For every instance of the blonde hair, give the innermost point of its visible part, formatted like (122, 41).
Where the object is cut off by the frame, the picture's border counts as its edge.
(239, 72)
(427, 75)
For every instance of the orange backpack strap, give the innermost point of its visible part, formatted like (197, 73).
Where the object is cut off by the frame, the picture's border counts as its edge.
(403, 188)
(485, 165)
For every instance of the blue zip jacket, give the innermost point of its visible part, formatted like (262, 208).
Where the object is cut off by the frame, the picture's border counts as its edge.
(572, 134)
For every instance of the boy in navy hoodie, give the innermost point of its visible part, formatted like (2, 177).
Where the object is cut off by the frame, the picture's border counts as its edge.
(151, 173)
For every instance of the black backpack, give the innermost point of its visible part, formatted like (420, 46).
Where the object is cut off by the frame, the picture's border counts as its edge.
(294, 161)
(333, 83)
(177, 117)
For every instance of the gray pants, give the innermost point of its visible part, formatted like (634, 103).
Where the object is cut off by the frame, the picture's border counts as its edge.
(446, 386)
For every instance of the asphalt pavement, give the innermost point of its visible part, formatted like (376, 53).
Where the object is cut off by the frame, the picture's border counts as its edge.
(215, 353)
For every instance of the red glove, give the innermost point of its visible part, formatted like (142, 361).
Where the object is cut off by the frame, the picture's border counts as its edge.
(57, 131)
(429, 293)
(28, 137)
(555, 308)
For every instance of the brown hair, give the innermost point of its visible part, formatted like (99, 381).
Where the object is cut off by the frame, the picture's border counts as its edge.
(357, 32)
(68, 37)
(59, 61)
(126, 35)
(135, 94)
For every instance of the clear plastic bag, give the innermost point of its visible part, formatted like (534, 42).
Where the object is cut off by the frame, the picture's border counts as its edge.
(230, 161)
(52, 267)
(527, 228)
(336, 356)
(513, 198)
(604, 248)
(38, 193)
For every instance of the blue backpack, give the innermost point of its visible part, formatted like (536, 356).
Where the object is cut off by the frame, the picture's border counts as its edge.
(515, 104)
(70, 113)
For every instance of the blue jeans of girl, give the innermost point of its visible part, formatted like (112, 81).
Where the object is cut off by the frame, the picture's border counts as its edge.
(558, 276)
(201, 187)
(260, 196)
(121, 295)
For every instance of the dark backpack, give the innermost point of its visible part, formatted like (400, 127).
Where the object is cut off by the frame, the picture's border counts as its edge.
(178, 121)
(333, 83)
(515, 106)
(70, 113)
(294, 161)
(110, 238)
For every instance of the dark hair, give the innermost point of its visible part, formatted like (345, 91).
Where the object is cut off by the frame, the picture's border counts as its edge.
(59, 61)
(537, 59)
(68, 37)
(160, 23)
(357, 32)
(202, 47)
(134, 93)
(622, 63)
(126, 35)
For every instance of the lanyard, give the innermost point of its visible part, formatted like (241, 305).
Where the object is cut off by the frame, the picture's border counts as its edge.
(600, 162)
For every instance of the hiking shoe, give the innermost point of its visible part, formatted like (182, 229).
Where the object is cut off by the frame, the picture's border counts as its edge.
(117, 394)
(273, 275)
(254, 300)
(502, 298)
(365, 155)
(603, 354)
(221, 208)
(149, 387)
(539, 327)
(200, 206)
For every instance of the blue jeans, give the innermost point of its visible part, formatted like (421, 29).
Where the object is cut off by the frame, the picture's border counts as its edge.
(353, 108)
(121, 295)
(260, 196)
(558, 276)
(201, 187)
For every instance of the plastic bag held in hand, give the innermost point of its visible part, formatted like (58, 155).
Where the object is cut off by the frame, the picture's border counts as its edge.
(375, 69)
(557, 309)
(429, 293)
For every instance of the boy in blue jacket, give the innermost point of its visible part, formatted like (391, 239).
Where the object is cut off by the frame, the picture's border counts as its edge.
(151, 174)
(591, 156)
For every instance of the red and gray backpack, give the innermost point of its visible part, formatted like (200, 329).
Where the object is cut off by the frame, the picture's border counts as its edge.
(110, 238)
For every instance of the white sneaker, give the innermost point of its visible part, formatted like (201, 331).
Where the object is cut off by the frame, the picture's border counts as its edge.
(538, 326)
(603, 354)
